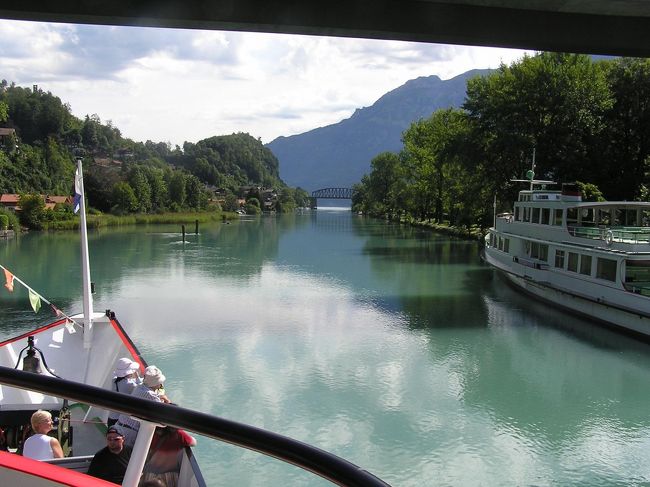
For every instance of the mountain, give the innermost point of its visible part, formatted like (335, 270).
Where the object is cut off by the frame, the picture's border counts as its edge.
(339, 155)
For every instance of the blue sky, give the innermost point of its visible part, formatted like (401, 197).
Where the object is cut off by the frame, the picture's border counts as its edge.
(175, 85)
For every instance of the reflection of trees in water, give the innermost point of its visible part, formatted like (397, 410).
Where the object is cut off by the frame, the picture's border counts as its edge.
(545, 375)
(437, 279)
(50, 262)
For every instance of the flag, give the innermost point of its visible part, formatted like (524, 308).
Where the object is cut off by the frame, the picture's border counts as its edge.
(76, 202)
(10, 280)
(69, 325)
(35, 301)
(56, 311)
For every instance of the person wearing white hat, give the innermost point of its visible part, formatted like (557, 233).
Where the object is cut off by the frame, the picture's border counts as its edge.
(152, 389)
(125, 379)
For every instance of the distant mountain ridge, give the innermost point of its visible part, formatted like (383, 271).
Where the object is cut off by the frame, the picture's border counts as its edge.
(338, 155)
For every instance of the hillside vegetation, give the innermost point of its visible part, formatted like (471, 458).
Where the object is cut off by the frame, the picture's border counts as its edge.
(123, 176)
(589, 121)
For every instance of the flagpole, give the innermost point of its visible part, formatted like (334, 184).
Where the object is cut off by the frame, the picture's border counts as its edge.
(85, 261)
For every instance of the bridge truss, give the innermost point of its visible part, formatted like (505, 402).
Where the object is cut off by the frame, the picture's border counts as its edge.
(333, 193)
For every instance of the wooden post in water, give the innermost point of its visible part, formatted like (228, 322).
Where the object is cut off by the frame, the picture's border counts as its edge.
(196, 227)
(183, 228)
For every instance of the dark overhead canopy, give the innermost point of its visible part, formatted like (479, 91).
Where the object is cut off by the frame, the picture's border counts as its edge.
(619, 27)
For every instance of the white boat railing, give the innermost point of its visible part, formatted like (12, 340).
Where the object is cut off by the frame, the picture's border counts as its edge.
(630, 235)
(320, 462)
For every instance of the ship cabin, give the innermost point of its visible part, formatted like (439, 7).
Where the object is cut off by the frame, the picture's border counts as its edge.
(558, 231)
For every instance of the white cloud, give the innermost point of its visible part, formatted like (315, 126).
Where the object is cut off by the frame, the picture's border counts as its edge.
(181, 85)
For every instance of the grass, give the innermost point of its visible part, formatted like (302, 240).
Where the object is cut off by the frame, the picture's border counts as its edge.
(106, 220)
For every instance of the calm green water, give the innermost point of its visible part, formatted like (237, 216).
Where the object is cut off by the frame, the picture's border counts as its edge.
(392, 347)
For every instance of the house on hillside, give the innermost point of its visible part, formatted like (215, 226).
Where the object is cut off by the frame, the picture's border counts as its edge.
(8, 139)
(10, 201)
(52, 201)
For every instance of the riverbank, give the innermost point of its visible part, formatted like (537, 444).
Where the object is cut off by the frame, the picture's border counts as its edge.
(472, 233)
(104, 220)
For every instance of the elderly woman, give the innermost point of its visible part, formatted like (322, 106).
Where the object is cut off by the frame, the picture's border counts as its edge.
(125, 379)
(40, 446)
(152, 389)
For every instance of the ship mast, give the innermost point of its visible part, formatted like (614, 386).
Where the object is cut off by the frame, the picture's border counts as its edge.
(85, 261)
(531, 173)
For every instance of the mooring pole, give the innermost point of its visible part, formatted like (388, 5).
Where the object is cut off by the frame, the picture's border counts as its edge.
(196, 227)
(183, 228)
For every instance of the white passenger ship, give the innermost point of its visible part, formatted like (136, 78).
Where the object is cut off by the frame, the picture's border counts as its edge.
(592, 258)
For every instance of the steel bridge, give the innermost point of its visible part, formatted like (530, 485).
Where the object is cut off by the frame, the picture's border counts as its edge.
(333, 193)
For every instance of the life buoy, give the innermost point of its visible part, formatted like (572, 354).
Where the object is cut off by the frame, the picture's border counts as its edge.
(609, 238)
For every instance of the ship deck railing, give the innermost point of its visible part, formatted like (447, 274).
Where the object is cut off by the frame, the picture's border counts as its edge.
(623, 234)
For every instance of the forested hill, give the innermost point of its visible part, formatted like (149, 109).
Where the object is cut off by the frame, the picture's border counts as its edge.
(40, 138)
(339, 155)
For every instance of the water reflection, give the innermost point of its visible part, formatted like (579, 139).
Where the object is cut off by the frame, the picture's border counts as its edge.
(390, 346)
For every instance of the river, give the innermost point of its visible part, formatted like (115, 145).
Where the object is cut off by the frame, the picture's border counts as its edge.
(390, 346)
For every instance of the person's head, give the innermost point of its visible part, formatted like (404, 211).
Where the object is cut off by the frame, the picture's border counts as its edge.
(41, 421)
(115, 439)
(126, 368)
(153, 377)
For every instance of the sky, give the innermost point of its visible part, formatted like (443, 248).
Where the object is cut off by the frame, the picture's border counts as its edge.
(174, 85)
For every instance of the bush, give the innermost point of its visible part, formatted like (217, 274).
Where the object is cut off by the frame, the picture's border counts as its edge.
(4, 222)
(12, 219)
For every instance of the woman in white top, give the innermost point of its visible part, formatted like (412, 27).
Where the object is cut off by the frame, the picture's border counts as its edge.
(39, 446)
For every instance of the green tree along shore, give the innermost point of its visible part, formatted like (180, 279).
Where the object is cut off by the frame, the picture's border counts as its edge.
(589, 122)
(41, 139)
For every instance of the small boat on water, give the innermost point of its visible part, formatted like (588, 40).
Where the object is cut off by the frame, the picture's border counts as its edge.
(592, 258)
(66, 367)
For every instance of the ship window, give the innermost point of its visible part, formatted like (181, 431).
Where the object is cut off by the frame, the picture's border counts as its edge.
(526, 214)
(572, 263)
(539, 251)
(571, 216)
(604, 218)
(587, 217)
(585, 265)
(535, 215)
(606, 269)
(559, 259)
(546, 216)
(637, 276)
(630, 218)
(645, 218)
(543, 252)
(558, 217)
(517, 213)
(506, 245)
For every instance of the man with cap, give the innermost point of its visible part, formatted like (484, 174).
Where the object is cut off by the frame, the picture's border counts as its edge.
(110, 462)
(152, 389)
(125, 379)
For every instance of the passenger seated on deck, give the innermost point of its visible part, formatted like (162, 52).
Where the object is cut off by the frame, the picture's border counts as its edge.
(152, 389)
(125, 380)
(40, 446)
(110, 462)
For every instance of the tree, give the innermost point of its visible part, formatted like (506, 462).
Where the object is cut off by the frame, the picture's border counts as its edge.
(4, 112)
(231, 203)
(176, 187)
(626, 152)
(32, 210)
(124, 200)
(140, 185)
(194, 192)
(553, 102)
